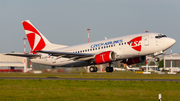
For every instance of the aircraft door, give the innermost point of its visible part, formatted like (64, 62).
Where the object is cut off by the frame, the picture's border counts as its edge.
(146, 40)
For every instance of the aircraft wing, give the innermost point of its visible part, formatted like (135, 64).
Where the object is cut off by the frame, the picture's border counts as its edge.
(68, 54)
(23, 55)
(79, 56)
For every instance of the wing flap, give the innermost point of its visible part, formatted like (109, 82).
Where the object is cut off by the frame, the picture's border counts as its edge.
(67, 54)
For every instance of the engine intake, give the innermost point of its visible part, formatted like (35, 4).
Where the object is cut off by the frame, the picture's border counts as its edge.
(105, 57)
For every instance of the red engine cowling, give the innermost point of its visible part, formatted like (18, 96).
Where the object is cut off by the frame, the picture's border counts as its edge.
(135, 60)
(105, 57)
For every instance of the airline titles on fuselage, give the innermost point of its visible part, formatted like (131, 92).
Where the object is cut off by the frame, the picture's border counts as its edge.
(106, 43)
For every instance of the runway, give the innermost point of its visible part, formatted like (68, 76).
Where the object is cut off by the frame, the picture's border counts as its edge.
(96, 79)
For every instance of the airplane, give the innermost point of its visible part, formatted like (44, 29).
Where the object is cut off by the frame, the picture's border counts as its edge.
(130, 49)
(119, 69)
(133, 69)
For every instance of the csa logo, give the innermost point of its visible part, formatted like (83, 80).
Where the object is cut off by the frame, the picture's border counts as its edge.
(136, 43)
(35, 39)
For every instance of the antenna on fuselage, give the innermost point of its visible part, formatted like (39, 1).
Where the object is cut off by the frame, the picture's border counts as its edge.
(146, 31)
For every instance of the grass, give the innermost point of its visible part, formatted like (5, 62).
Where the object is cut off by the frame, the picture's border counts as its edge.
(120, 75)
(72, 90)
(66, 90)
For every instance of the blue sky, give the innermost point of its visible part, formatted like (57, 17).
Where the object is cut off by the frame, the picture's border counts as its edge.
(65, 21)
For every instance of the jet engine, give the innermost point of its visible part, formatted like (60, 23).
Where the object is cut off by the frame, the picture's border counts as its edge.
(105, 57)
(135, 60)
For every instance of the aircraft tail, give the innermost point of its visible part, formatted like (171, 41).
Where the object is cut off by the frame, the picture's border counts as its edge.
(127, 67)
(36, 40)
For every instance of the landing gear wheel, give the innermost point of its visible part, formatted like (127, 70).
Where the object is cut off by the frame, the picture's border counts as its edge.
(156, 59)
(109, 69)
(93, 69)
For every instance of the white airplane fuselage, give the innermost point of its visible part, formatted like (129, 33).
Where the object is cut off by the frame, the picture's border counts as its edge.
(125, 47)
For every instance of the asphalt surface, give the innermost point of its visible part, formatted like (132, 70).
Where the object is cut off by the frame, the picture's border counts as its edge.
(97, 79)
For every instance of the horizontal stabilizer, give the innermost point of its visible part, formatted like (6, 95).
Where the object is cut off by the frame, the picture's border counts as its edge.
(23, 55)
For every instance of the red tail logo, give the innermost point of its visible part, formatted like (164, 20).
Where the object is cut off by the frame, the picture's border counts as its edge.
(136, 43)
(34, 37)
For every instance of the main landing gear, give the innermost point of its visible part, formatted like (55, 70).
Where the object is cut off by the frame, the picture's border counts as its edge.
(109, 69)
(93, 69)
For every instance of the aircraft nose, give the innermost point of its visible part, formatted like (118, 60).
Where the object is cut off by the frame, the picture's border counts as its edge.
(172, 41)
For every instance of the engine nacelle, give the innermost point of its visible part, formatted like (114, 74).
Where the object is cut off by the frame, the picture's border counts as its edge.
(135, 60)
(105, 57)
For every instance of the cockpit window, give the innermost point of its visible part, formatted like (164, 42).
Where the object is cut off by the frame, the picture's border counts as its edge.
(160, 36)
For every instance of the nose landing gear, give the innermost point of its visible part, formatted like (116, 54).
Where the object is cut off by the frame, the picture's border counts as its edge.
(156, 59)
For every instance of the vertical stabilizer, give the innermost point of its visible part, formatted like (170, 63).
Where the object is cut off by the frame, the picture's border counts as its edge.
(36, 40)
